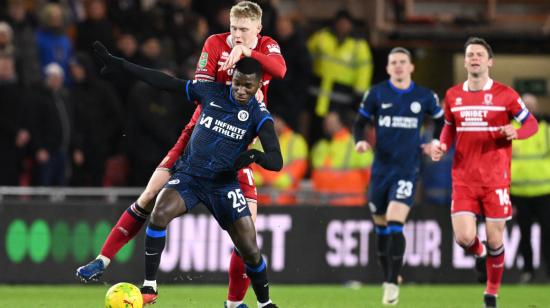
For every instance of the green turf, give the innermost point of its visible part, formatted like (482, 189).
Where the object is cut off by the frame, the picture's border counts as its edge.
(299, 296)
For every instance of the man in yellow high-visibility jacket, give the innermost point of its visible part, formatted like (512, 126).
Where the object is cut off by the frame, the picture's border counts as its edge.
(339, 172)
(530, 189)
(342, 67)
(285, 182)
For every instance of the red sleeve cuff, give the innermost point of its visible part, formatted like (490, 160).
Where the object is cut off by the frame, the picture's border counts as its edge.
(529, 128)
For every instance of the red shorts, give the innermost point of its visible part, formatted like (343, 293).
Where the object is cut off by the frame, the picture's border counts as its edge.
(491, 202)
(246, 182)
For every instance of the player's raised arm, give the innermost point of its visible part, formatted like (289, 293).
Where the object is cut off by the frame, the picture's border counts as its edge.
(155, 78)
(271, 158)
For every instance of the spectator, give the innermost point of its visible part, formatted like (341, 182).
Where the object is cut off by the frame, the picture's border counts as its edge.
(285, 182)
(24, 42)
(95, 27)
(530, 189)
(269, 17)
(6, 39)
(175, 22)
(342, 66)
(150, 54)
(127, 15)
(14, 134)
(95, 102)
(339, 172)
(54, 133)
(53, 43)
(154, 123)
(127, 47)
(290, 93)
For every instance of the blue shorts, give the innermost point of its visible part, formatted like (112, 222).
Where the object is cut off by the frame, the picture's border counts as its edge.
(223, 199)
(387, 187)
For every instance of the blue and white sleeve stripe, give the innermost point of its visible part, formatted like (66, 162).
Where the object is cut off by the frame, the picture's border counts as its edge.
(522, 116)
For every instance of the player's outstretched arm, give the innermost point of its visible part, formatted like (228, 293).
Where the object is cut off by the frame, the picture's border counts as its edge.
(271, 158)
(155, 78)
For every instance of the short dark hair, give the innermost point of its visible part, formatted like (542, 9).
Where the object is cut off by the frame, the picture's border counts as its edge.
(479, 41)
(401, 50)
(249, 65)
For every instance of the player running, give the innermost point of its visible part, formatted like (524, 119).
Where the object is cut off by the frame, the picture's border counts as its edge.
(477, 116)
(219, 54)
(396, 107)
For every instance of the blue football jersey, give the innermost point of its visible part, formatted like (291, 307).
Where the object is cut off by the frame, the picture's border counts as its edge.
(398, 116)
(225, 129)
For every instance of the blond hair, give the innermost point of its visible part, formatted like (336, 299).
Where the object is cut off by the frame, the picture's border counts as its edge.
(246, 9)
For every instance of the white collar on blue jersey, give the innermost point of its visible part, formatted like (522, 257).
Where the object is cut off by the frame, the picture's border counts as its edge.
(486, 87)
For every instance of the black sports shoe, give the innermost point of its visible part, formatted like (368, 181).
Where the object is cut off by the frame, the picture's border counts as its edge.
(481, 266)
(490, 301)
(270, 305)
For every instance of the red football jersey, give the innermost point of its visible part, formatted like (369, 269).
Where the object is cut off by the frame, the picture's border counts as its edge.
(218, 47)
(483, 155)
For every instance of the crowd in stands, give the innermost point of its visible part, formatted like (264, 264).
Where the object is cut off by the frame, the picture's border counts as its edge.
(62, 124)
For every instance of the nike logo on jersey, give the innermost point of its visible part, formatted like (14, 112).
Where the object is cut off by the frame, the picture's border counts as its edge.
(386, 106)
(151, 254)
(241, 209)
(215, 105)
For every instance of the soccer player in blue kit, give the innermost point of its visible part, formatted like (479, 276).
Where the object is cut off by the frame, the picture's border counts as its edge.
(207, 170)
(396, 107)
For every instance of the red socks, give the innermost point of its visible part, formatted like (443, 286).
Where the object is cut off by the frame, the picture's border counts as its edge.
(238, 280)
(476, 248)
(126, 228)
(495, 268)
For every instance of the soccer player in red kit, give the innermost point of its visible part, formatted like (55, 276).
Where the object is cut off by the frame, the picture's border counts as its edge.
(220, 52)
(477, 115)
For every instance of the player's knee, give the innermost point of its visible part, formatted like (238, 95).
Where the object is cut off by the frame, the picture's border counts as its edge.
(250, 254)
(464, 240)
(494, 243)
(146, 198)
(160, 216)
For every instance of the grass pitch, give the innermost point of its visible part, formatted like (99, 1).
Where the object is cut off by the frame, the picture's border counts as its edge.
(285, 296)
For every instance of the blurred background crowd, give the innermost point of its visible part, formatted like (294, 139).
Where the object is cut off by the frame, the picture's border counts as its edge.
(61, 124)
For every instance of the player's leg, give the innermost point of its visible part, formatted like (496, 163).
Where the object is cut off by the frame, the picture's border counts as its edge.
(495, 260)
(381, 242)
(238, 280)
(377, 196)
(465, 207)
(498, 209)
(169, 205)
(396, 216)
(243, 234)
(126, 228)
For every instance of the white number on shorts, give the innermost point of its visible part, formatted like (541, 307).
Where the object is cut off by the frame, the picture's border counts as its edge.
(249, 176)
(237, 197)
(503, 196)
(405, 189)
